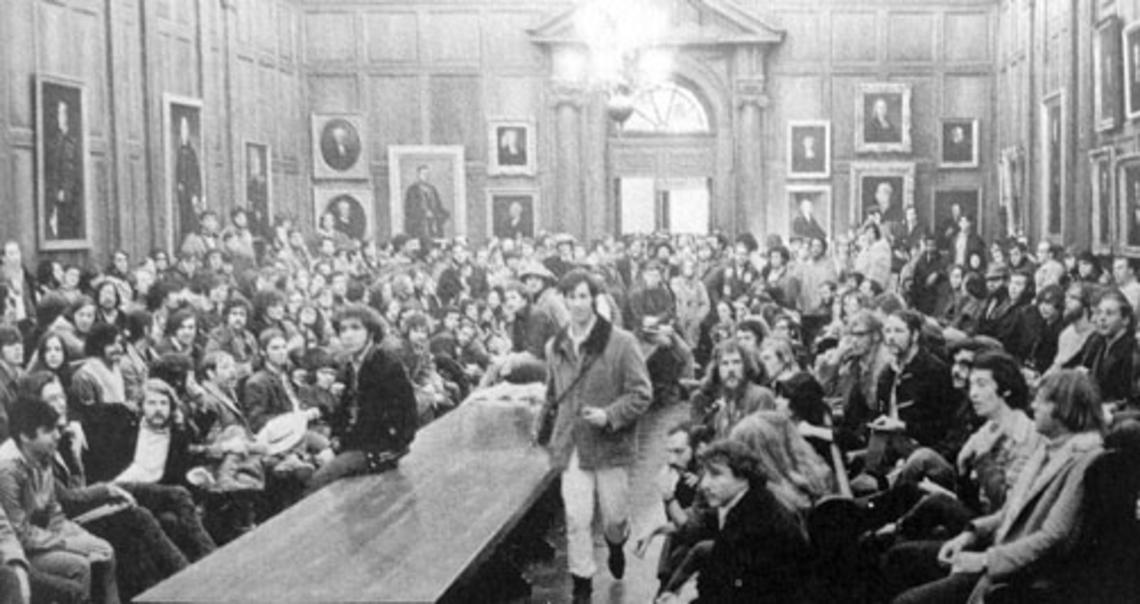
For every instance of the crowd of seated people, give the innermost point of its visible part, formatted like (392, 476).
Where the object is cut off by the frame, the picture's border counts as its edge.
(942, 404)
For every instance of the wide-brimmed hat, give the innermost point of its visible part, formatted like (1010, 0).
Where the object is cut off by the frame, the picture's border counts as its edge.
(283, 432)
(537, 269)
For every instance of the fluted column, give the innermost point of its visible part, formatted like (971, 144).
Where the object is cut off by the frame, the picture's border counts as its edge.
(567, 209)
(751, 210)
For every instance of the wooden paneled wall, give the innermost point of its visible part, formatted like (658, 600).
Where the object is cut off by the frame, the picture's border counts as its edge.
(238, 56)
(432, 73)
(1047, 48)
(944, 50)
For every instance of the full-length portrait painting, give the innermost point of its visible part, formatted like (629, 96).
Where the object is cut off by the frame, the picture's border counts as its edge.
(351, 209)
(1053, 163)
(63, 214)
(258, 197)
(885, 187)
(511, 147)
(184, 162)
(511, 212)
(339, 149)
(882, 115)
(1101, 179)
(1128, 194)
(427, 190)
(1107, 71)
(1131, 42)
(809, 208)
(809, 149)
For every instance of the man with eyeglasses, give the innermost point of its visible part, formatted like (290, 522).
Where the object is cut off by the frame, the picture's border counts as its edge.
(850, 374)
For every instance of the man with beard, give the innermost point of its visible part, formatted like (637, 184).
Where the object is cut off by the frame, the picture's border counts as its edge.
(233, 337)
(1077, 315)
(678, 483)
(914, 395)
(731, 394)
(1109, 351)
(998, 319)
(98, 394)
(964, 420)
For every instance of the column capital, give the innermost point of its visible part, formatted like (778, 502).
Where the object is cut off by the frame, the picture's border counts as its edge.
(751, 92)
(567, 93)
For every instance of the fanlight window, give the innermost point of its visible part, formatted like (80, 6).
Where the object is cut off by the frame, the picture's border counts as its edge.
(667, 109)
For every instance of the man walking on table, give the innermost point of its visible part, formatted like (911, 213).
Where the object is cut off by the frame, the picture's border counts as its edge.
(599, 385)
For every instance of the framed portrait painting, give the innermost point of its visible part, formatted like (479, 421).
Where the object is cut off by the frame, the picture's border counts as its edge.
(1101, 179)
(512, 212)
(1128, 194)
(351, 208)
(1053, 143)
(809, 149)
(258, 185)
(886, 187)
(809, 208)
(427, 187)
(512, 147)
(1106, 74)
(882, 118)
(185, 156)
(339, 149)
(1130, 39)
(63, 216)
(959, 143)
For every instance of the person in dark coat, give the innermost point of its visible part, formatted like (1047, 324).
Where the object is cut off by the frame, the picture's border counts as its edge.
(759, 553)
(929, 274)
(1109, 351)
(424, 214)
(998, 319)
(376, 420)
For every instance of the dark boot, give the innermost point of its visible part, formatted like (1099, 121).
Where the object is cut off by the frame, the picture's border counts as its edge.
(583, 586)
(616, 560)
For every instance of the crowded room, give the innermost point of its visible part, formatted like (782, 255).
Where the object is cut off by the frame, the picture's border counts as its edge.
(570, 301)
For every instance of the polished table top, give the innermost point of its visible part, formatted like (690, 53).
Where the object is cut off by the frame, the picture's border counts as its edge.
(406, 535)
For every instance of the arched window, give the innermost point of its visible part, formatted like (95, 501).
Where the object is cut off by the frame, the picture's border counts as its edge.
(667, 109)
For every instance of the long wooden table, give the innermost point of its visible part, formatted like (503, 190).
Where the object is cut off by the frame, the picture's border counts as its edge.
(409, 535)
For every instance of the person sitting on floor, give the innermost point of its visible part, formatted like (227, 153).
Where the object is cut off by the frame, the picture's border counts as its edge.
(53, 544)
(759, 552)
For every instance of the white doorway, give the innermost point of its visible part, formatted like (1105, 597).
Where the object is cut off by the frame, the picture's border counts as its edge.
(676, 205)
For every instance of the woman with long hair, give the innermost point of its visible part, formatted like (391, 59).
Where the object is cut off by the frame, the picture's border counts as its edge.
(796, 474)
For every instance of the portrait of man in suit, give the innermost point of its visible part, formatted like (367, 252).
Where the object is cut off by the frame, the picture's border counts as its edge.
(350, 217)
(512, 146)
(424, 212)
(340, 144)
(257, 188)
(806, 223)
(882, 119)
(63, 165)
(187, 172)
(808, 149)
(512, 216)
(1134, 72)
(958, 142)
(884, 193)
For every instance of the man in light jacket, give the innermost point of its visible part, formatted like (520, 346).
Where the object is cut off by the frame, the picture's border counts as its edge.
(598, 380)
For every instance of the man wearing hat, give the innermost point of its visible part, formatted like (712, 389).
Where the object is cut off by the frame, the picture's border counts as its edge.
(11, 368)
(562, 262)
(547, 309)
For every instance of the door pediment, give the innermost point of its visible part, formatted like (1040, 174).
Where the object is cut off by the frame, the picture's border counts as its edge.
(691, 23)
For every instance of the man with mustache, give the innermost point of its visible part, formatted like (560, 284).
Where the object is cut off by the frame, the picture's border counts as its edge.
(733, 393)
